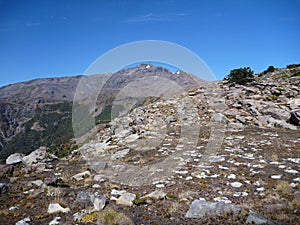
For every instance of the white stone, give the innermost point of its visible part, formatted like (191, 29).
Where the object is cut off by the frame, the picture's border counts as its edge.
(231, 176)
(160, 185)
(297, 179)
(158, 194)
(222, 199)
(37, 182)
(117, 192)
(236, 184)
(290, 170)
(81, 176)
(57, 208)
(276, 177)
(126, 199)
(36, 155)
(55, 221)
(23, 221)
(14, 158)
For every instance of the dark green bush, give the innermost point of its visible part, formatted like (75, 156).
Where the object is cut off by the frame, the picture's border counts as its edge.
(240, 76)
(269, 70)
(291, 66)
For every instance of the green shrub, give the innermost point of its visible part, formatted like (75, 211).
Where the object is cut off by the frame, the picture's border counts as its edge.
(240, 76)
(291, 66)
(269, 70)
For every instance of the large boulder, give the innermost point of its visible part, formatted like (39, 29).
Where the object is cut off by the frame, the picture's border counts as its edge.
(276, 113)
(38, 154)
(202, 209)
(14, 158)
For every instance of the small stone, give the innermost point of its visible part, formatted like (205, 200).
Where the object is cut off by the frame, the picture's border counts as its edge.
(289, 170)
(276, 177)
(157, 195)
(231, 176)
(81, 176)
(55, 221)
(57, 208)
(99, 203)
(99, 178)
(117, 192)
(159, 185)
(37, 182)
(23, 221)
(236, 184)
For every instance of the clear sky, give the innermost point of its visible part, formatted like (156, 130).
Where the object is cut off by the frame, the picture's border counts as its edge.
(63, 37)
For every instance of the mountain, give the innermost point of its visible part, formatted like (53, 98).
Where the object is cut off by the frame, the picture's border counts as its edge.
(210, 153)
(39, 112)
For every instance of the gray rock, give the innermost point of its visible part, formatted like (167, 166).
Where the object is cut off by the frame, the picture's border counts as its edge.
(81, 176)
(23, 221)
(219, 118)
(98, 166)
(295, 117)
(294, 103)
(84, 199)
(126, 199)
(14, 158)
(57, 208)
(35, 156)
(157, 195)
(201, 209)
(120, 154)
(99, 202)
(87, 199)
(256, 218)
(279, 114)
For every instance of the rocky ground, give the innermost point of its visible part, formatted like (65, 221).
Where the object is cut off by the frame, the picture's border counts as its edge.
(218, 154)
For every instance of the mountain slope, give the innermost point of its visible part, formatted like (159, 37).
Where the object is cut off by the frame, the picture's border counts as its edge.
(39, 112)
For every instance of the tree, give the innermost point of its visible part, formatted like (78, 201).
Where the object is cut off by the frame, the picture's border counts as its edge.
(240, 76)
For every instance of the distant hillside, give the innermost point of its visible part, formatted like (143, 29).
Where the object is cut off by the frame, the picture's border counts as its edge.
(38, 112)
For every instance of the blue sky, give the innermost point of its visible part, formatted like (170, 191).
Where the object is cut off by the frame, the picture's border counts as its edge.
(63, 37)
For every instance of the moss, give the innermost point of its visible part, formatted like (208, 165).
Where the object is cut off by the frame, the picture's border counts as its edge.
(140, 201)
(59, 183)
(273, 97)
(171, 196)
(90, 217)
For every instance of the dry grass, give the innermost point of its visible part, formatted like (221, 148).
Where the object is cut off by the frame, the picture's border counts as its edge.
(296, 203)
(283, 188)
(110, 217)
